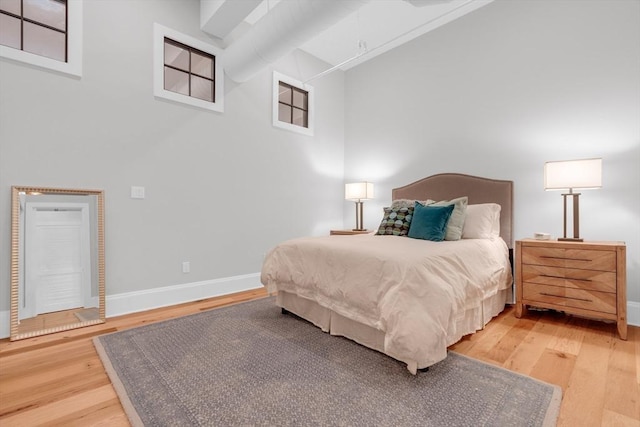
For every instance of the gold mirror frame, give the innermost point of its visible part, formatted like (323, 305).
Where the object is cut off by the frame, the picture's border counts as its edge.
(16, 264)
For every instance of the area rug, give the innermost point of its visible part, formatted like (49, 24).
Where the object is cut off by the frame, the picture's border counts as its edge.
(250, 365)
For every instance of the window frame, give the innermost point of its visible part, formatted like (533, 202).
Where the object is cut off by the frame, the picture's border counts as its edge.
(161, 32)
(73, 65)
(279, 77)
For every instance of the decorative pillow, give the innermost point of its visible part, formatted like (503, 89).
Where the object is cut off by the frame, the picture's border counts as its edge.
(396, 221)
(407, 203)
(482, 221)
(456, 222)
(430, 222)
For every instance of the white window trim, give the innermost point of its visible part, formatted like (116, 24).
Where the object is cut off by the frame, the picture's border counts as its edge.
(159, 33)
(73, 66)
(277, 78)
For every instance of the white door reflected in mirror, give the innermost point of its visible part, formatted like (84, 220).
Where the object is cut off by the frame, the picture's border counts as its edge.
(57, 275)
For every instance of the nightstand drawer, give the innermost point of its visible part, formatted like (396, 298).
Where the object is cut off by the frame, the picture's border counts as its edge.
(603, 302)
(570, 258)
(594, 280)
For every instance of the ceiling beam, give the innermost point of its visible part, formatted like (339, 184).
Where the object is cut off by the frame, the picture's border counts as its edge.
(220, 17)
(286, 27)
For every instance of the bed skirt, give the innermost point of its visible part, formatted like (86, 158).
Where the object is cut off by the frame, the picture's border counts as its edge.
(473, 320)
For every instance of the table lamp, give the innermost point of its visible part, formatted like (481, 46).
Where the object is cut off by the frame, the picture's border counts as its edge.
(584, 174)
(358, 191)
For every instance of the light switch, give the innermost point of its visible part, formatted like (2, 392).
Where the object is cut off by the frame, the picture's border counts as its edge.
(137, 192)
(186, 267)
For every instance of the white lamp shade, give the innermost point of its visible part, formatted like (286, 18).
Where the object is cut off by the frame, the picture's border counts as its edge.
(358, 191)
(569, 174)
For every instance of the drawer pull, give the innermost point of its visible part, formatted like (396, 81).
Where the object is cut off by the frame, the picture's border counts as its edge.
(563, 296)
(567, 259)
(565, 278)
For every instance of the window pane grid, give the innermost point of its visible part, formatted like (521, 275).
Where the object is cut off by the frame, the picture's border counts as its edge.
(202, 68)
(51, 50)
(293, 105)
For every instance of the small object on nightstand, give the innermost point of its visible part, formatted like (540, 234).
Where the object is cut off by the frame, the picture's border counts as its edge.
(347, 232)
(582, 278)
(539, 235)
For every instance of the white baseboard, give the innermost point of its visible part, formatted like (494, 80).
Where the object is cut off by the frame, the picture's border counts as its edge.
(133, 302)
(633, 313)
(5, 330)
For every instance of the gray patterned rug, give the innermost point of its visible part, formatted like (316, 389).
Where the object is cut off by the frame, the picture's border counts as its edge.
(248, 364)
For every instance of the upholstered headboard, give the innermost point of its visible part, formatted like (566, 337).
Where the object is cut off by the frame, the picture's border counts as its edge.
(446, 186)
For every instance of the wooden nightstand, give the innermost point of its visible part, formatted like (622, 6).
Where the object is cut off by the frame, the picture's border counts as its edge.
(347, 232)
(584, 278)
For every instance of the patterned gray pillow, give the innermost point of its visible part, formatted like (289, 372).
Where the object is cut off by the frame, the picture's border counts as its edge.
(396, 221)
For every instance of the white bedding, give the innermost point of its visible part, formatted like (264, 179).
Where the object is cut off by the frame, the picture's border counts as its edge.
(413, 290)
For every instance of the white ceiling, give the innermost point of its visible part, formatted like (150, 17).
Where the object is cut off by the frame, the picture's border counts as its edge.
(381, 24)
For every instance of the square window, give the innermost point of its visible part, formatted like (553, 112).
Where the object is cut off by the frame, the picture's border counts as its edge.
(293, 104)
(185, 70)
(188, 71)
(46, 33)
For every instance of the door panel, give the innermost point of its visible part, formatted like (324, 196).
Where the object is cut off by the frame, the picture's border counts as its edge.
(57, 271)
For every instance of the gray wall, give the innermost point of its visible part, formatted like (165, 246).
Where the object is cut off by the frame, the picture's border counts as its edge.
(497, 93)
(221, 189)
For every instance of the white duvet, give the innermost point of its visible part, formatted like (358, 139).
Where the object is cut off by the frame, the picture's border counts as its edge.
(413, 290)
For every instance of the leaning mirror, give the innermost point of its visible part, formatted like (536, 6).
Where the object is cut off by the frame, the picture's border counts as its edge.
(57, 260)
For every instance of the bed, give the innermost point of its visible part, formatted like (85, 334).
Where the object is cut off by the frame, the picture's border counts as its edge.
(409, 298)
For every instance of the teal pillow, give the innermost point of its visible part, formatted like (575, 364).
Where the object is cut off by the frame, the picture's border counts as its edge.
(396, 221)
(456, 222)
(430, 222)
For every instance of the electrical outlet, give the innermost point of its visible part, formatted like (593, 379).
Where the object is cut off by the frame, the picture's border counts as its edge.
(186, 267)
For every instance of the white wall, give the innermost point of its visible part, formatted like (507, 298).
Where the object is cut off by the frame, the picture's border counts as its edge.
(497, 93)
(221, 189)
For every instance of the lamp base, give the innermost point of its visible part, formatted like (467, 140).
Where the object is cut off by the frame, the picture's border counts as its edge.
(570, 239)
(359, 229)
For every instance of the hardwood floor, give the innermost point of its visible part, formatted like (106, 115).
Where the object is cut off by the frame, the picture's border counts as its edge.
(59, 379)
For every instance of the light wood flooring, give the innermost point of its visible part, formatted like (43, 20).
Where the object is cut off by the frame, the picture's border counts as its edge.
(58, 379)
(57, 319)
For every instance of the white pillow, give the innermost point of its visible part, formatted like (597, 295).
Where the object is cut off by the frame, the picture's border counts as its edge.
(482, 221)
(457, 219)
(407, 203)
